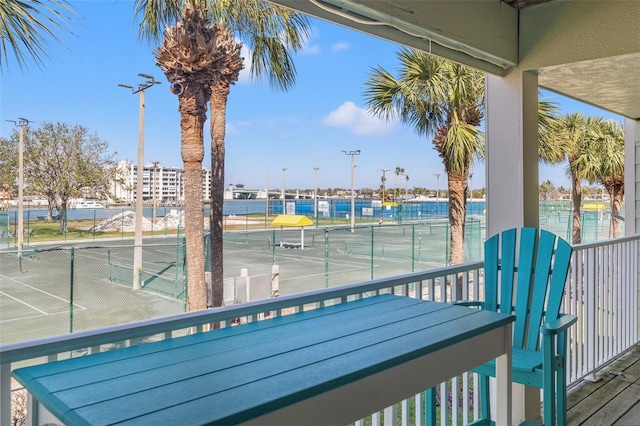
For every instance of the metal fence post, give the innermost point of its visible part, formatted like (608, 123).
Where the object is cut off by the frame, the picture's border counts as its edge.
(273, 246)
(413, 247)
(372, 252)
(326, 258)
(71, 291)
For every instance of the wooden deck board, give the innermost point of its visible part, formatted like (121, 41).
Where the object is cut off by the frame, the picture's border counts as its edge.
(612, 400)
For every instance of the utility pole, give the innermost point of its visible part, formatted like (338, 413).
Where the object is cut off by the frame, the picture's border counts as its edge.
(315, 194)
(437, 175)
(353, 205)
(384, 180)
(137, 249)
(21, 124)
(284, 197)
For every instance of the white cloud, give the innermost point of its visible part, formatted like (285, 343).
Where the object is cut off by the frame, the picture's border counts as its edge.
(343, 45)
(356, 120)
(310, 49)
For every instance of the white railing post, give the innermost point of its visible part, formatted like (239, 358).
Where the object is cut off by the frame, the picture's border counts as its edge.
(590, 309)
(602, 292)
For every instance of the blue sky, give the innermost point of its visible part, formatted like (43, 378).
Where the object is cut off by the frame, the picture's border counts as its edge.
(267, 130)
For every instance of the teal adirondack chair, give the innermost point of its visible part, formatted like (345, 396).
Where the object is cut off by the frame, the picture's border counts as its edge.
(530, 285)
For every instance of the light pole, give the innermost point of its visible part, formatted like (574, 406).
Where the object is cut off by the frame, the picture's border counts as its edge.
(470, 186)
(266, 207)
(437, 175)
(137, 249)
(315, 194)
(21, 124)
(384, 180)
(284, 198)
(353, 204)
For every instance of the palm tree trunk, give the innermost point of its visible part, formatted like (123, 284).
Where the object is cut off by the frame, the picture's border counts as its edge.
(219, 94)
(457, 215)
(616, 195)
(192, 116)
(576, 198)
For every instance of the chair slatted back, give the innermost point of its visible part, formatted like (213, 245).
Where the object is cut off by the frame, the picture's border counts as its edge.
(537, 275)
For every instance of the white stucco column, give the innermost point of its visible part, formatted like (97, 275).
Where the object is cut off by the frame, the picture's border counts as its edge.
(631, 176)
(512, 151)
(512, 177)
(632, 181)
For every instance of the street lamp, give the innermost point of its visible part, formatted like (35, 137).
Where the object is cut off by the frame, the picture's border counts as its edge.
(315, 194)
(437, 175)
(384, 180)
(21, 123)
(353, 205)
(284, 198)
(137, 250)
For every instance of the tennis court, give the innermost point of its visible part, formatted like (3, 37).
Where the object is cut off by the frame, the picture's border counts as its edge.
(41, 297)
(63, 289)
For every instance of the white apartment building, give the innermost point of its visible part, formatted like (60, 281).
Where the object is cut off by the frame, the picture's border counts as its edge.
(165, 185)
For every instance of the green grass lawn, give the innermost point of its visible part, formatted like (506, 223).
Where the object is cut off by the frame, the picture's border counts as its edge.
(42, 231)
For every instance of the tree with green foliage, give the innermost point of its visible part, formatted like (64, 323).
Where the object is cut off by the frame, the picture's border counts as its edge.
(442, 99)
(59, 161)
(396, 191)
(574, 141)
(270, 32)
(603, 162)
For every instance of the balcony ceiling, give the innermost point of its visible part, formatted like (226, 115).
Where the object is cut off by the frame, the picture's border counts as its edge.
(587, 50)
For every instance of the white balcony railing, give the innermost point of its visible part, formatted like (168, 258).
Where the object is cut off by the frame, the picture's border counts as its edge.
(602, 292)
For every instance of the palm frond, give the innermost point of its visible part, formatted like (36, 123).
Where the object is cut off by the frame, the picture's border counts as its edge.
(270, 32)
(464, 143)
(27, 26)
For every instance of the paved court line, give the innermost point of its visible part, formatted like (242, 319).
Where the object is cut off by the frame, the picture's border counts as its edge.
(24, 303)
(66, 313)
(41, 291)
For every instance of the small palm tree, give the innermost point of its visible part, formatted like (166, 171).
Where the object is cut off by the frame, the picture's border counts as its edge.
(444, 100)
(603, 162)
(396, 191)
(406, 185)
(27, 25)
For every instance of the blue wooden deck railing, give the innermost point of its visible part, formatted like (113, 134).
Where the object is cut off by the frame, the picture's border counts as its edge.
(602, 292)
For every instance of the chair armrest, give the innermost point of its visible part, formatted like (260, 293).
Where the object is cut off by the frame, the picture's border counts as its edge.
(559, 325)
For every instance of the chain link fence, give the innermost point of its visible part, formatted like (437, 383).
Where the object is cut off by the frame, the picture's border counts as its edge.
(59, 290)
(63, 290)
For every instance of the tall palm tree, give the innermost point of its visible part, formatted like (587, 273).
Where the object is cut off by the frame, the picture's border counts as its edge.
(576, 136)
(26, 27)
(188, 56)
(442, 99)
(603, 162)
(271, 32)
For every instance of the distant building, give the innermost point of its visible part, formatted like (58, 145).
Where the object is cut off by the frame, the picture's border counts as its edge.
(163, 184)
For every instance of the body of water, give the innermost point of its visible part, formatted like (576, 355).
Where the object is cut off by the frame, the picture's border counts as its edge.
(333, 207)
